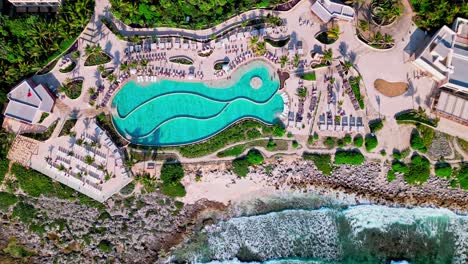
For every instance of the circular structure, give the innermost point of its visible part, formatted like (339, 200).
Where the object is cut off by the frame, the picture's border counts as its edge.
(256, 82)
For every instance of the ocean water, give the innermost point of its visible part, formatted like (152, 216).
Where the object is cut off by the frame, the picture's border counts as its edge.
(169, 112)
(332, 233)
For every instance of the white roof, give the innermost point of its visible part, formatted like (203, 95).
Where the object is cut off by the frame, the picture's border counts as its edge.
(326, 10)
(27, 102)
(453, 105)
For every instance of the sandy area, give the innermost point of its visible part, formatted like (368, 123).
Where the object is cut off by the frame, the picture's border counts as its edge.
(390, 89)
(225, 188)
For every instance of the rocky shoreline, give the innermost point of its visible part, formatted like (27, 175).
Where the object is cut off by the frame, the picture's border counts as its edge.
(366, 183)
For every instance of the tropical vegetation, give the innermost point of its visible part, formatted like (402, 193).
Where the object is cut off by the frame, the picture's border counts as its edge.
(433, 14)
(30, 42)
(240, 166)
(321, 161)
(351, 157)
(184, 14)
(171, 175)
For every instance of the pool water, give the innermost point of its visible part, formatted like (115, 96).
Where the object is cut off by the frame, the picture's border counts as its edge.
(170, 112)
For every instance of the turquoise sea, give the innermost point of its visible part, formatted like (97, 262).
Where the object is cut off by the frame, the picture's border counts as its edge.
(170, 112)
(330, 232)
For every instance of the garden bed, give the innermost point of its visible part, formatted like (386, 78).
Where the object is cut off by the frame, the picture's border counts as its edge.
(309, 76)
(69, 68)
(324, 38)
(277, 43)
(270, 145)
(72, 89)
(97, 59)
(219, 65)
(47, 68)
(181, 60)
(414, 116)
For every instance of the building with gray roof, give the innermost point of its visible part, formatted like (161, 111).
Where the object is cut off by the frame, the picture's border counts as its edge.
(28, 101)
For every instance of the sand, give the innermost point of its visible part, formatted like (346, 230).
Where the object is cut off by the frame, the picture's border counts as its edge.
(390, 89)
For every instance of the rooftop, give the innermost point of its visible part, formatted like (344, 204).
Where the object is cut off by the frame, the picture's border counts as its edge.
(326, 10)
(27, 101)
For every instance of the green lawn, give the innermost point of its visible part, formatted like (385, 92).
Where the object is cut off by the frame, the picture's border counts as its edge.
(310, 76)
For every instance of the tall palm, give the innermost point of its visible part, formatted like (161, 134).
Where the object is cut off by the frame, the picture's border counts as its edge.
(328, 56)
(333, 32)
(283, 60)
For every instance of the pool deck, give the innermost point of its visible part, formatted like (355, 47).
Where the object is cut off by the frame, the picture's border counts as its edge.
(323, 98)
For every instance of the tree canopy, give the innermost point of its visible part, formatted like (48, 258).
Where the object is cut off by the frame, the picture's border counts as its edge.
(30, 42)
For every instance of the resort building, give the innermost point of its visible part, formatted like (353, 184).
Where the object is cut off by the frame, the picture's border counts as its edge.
(28, 101)
(446, 56)
(327, 10)
(35, 3)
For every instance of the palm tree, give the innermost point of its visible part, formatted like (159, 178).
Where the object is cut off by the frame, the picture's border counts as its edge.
(144, 62)
(283, 60)
(91, 91)
(333, 32)
(124, 67)
(111, 78)
(89, 160)
(296, 60)
(253, 42)
(388, 39)
(88, 50)
(101, 68)
(347, 65)
(327, 56)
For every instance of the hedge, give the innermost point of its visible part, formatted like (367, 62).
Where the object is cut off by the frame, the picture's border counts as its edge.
(371, 142)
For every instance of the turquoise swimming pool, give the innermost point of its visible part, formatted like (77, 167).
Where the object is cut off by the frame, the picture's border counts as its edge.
(170, 112)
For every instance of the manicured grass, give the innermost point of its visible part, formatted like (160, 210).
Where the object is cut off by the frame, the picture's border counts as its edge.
(321, 161)
(310, 76)
(351, 157)
(97, 59)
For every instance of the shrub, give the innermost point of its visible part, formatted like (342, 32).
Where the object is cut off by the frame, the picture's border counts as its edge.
(255, 157)
(278, 130)
(358, 140)
(321, 161)
(329, 142)
(253, 133)
(7, 200)
(105, 246)
(443, 170)
(371, 142)
(171, 174)
(375, 125)
(233, 151)
(295, 144)
(271, 145)
(351, 157)
(391, 175)
(418, 170)
(347, 139)
(398, 166)
(462, 176)
(290, 135)
(240, 166)
(416, 141)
